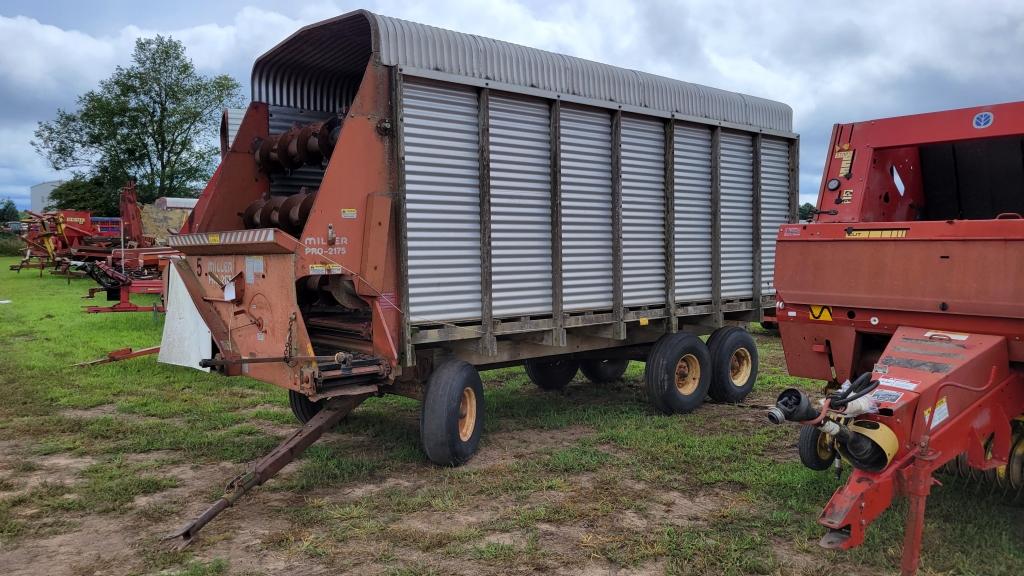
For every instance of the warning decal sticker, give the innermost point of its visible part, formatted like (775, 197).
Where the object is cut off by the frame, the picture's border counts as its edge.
(889, 396)
(823, 313)
(941, 412)
(892, 233)
(900, 383)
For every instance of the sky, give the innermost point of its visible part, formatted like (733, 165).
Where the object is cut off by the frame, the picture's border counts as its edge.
(831, 62)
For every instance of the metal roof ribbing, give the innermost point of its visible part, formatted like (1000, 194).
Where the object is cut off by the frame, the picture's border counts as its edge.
(305, 71)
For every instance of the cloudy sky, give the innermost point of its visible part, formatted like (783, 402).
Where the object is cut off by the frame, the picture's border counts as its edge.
(832, 62)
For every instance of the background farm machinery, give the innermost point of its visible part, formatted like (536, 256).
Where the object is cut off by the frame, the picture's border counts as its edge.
(907, 288)
(114, 252)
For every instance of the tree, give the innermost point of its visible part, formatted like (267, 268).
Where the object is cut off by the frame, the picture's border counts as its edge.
(9, 211)
(155, 120)
(806, 212)
(92, 193)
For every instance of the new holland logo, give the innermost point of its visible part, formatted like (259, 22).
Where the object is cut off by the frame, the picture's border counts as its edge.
(983, 120)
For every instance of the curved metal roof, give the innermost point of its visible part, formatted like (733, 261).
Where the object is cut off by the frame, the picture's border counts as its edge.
(323, 62)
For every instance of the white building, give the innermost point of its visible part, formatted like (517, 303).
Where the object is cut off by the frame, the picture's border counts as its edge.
(40, 194)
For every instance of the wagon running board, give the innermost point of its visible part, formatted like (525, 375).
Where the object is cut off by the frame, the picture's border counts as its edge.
(265, 468)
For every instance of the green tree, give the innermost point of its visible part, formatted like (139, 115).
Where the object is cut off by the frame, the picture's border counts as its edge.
(806, 211)
(9, 211)
(92, 193)
(155, 120)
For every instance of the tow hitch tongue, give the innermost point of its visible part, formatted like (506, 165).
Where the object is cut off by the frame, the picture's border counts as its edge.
(265, 468)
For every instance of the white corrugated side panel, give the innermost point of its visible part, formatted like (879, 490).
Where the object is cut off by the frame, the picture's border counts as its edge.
(441, 134)
(643, 211)
(737, 215)
(693, 213)
(235, 116)
(586, 209)
(520, 206)
(774, 204)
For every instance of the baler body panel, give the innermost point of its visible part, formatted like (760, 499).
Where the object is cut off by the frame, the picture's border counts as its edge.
(909, 280)
(914, 233)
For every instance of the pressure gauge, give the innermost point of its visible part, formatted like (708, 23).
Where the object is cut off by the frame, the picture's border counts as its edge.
(832, 184)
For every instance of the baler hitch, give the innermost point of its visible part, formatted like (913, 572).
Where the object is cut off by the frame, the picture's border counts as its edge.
(329, 416)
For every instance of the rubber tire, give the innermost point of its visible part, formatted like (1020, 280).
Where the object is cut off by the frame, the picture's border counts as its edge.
(302, 407)
(660, 373)
(439, 413)
(730, 339)
(551, 374)
(604, 371)
(807, 446)
(716, 335)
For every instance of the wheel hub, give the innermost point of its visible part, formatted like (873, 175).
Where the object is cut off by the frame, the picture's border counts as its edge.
(467, 414)
(740, 367)
(687, 374)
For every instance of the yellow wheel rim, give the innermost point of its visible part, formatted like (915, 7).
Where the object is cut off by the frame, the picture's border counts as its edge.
(687, 374)
(824, 446)
(467, 414)
(740, 367)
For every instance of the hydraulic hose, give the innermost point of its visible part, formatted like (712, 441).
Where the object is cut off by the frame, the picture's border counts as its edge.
(859, 388)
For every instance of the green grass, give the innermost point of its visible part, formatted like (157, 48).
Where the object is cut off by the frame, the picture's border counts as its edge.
(601, 453)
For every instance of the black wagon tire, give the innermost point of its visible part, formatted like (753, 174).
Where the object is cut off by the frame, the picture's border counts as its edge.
(816, 449)
(716, 335)
(302, 407)
(678, 373)
(452, 414)
(551, 373)
(603, 371)
(734, 362)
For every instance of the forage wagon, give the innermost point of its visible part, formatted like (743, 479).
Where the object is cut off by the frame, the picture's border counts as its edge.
(401, 206)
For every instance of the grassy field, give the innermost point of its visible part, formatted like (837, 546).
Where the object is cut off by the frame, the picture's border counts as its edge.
(97, 464)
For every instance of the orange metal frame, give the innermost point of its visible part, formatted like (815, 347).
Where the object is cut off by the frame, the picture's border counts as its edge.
(931, 307)
(359, 180)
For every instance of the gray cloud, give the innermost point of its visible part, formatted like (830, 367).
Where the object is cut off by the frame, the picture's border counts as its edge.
(831, 62)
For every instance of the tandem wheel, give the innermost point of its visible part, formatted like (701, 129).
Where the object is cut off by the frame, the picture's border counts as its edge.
(551, 373)
(734, 364)
(452, 414)
(678, 373)
(603, 371)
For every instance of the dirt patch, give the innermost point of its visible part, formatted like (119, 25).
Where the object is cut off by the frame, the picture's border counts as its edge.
(370, 488)
(272, 429)
(88, 413)
(100, 543)
(435, 521)
(505, 447)
(192, 479)
(687, 509)
(795, 562)
(52, 469)
(594, 568)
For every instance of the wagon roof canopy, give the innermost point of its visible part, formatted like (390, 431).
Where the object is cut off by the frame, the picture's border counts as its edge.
(317, 66)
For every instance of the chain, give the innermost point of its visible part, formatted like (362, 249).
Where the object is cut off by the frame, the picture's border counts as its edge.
(288, 340)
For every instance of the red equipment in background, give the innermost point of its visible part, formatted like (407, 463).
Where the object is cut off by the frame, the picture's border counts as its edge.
(113, 251)
(908, 282)
(51, 237)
